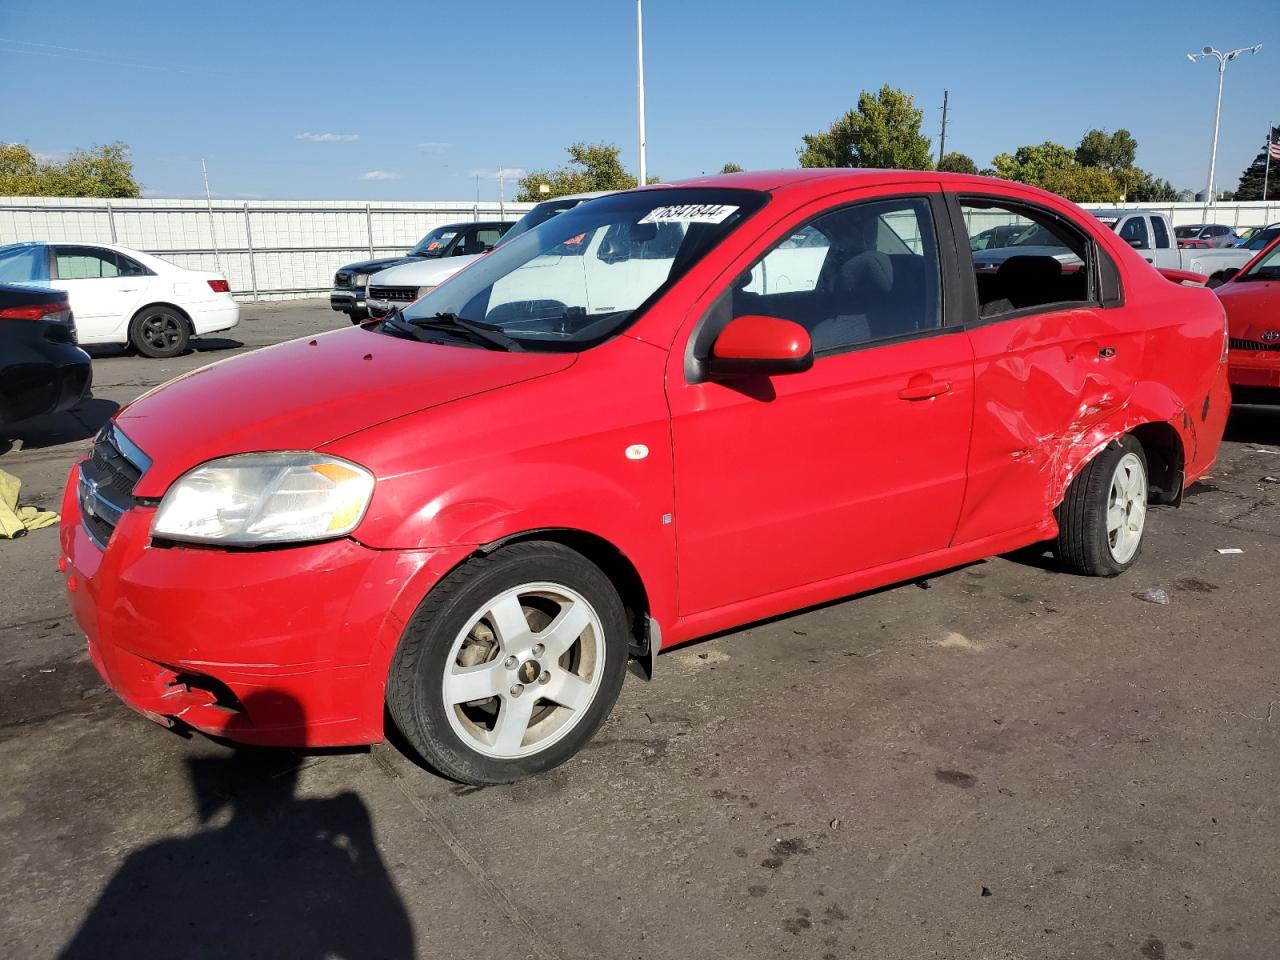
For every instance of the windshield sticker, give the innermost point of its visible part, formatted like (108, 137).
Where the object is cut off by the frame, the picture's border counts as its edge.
(433, 244)
(575, 240)
(690, 213)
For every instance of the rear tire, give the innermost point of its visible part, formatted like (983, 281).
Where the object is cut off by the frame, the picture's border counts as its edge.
(1102, 519)
(159, 332)
(486, 688)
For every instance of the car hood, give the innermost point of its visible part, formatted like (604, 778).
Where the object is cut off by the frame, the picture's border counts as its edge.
(1253, 308)
(422, 273)
(305, 393)
(373, 266)
(1000, 254)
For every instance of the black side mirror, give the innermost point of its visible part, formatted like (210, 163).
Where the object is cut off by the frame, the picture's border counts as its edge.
(1228, 273)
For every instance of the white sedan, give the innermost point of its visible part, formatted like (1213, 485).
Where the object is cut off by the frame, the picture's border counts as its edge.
(124, 296)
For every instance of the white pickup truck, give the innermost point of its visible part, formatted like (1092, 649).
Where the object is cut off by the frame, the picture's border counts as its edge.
(1152, 236)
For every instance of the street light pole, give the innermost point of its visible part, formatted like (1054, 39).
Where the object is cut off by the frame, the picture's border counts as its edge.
(640, 84)
(1223, 60)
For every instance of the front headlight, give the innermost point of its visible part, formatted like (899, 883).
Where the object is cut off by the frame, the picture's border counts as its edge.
(258, 498)
(360, 280)
(423, 291)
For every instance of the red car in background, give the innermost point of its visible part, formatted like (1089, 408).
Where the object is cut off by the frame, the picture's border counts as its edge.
(662, 414)
(1252, 301)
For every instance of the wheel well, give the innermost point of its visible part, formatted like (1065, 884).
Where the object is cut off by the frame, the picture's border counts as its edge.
(1165, 459)
(613, 563)
(169, 306)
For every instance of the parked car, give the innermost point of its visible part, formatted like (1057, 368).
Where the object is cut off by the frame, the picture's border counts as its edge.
(124, 296)
(1252, 301)
(41, 369)
(1205, 235)
(399, 286)
(1148, 232)
(472, 513)
(350, 283)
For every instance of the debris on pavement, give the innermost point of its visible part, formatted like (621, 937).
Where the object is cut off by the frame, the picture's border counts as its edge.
(1271, 479)
(1154, 595)
(1226, 550)
(15, 520)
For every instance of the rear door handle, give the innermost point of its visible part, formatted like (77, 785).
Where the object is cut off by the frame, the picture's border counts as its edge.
(925, 391)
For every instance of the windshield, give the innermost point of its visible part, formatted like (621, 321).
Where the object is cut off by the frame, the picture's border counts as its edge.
(1267, 268)
(1261, 238)
(584, 274)
(435, 243)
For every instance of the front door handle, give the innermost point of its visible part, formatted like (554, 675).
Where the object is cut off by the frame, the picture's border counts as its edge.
(925, 391)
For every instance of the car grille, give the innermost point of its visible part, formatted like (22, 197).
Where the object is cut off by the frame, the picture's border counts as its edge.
(1235, 344)
(107, 479)
(394, 294)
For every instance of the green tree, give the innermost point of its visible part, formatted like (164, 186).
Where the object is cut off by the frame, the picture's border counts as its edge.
(883, 131)
(1149, 189)
(591, 167)
(956, 163)
(732, 168)
(1250, 186)
(1082, 184)
(104, 171)
(1113, 152)
(1032, 163)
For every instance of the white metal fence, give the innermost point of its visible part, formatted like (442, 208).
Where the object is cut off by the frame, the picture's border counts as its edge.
(267, 249)
(282, 249)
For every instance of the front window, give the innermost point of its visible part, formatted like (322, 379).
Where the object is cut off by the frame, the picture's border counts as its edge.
(1267, 268)
(1187, 233)
(435, 243)
(22, 262)
(582, 275)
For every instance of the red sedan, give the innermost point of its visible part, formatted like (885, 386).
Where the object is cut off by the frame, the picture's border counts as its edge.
(1252, 301)
(662, 414)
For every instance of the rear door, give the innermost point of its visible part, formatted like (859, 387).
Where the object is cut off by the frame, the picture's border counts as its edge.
(102, 296)
(859, 462)
(1054, 351)
(1164, 249)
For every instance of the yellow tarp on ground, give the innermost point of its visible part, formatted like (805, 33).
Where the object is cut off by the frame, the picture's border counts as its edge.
(16, 520)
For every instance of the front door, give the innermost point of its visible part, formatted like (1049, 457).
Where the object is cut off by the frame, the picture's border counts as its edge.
(858, 462)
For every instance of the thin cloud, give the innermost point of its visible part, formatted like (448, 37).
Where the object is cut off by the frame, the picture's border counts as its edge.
(327, 137)
(379, 175)
(435, 146)
(503, 173)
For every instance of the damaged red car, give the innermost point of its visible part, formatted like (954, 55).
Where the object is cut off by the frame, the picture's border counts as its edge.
(662, 414)
(1252, 301)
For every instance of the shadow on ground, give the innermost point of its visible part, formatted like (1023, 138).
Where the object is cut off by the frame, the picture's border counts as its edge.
(268, 874)
(76, 424)
(1254, 424)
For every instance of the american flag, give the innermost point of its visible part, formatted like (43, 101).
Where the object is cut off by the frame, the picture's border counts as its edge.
(1273, 147)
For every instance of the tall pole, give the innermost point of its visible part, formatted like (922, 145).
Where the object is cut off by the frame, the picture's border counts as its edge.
(1223, 59)
(1213, 154)
(643, 178)
(502, 193)
(1266, 171)
(208, 199)
(942, 142)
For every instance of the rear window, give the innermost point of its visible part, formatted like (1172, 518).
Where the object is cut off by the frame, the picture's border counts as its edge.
(19, 264)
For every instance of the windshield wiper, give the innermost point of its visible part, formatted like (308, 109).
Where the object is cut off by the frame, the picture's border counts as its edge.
(486, 334)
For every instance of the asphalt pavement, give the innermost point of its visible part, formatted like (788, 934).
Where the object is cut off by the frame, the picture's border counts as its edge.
(1002, 761)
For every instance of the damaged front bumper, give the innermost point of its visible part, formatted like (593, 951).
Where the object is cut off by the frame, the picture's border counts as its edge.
(278, 647)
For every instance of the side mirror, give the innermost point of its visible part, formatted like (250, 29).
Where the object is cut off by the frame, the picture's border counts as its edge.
(1136, 243)
(760, 346)
(1228, 273)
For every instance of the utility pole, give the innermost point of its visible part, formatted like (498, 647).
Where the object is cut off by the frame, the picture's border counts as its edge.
(942, 141)
(1271, 146)
(208, 199)
(640, 86)
(1223, 59)
(502, 192)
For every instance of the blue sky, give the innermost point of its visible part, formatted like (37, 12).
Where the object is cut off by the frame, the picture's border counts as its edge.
(401, 100)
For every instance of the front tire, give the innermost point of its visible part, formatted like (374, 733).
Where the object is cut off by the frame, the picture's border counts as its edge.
(1102, 519)
(159, 332)
(510, 664)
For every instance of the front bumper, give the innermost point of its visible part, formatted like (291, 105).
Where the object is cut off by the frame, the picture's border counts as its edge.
(277, 647)
(347, 301)
(1254, 368)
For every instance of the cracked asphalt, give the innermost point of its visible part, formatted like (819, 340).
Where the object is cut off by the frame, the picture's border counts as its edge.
(1003, 761)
